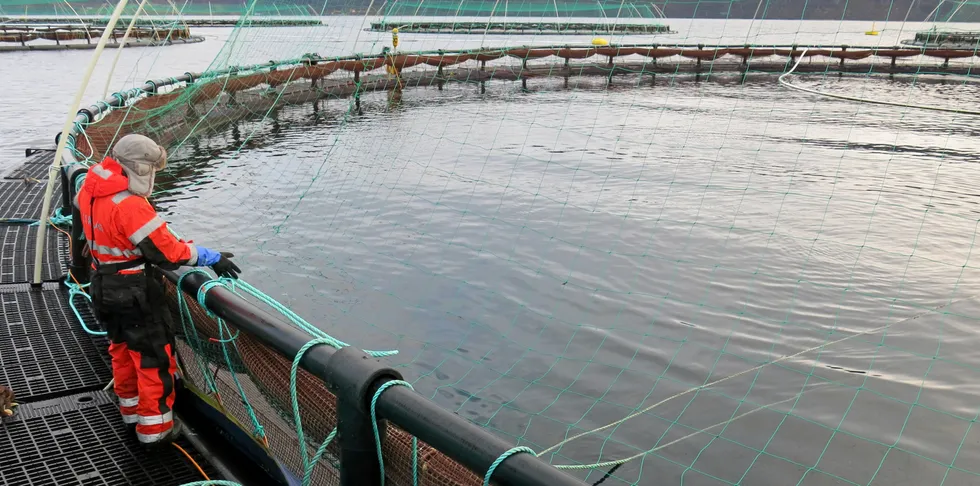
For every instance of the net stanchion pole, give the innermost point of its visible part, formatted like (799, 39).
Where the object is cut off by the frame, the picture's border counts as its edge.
(63, 141)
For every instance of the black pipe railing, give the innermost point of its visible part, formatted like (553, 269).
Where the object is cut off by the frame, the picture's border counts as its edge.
(354, 378)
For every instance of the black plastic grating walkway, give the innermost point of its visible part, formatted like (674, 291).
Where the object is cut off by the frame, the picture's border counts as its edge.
(81, 440)
(17, 254)
(43, 349)
(20, 199)
(33, 167)
(22, 190)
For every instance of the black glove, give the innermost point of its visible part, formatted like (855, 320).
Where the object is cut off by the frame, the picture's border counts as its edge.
(226, 267)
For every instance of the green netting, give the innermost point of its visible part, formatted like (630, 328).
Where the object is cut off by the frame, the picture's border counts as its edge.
(643, 257)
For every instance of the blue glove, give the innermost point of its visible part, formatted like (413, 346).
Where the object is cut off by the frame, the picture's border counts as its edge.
(207, 257)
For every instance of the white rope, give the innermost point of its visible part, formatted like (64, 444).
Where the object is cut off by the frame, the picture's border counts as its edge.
(782, 81)
(63, 139)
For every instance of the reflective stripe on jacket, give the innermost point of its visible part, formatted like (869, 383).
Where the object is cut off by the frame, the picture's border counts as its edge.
(121, 227)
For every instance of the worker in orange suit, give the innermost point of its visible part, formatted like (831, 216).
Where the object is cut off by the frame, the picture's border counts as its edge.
(126, 240)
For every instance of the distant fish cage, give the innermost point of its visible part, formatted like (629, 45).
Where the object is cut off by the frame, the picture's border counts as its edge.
(66, 32)
(21, 37)
(156, 21)
(952, 39)
(527, 28)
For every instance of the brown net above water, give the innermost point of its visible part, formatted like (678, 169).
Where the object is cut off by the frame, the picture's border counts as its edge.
(265, 381)
(208, 106)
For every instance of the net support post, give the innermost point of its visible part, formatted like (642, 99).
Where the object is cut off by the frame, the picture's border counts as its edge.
(66, 194)
(78, 268)
(354, 377)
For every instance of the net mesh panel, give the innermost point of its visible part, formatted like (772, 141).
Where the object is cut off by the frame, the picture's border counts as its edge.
(268, 391)
(556, 235)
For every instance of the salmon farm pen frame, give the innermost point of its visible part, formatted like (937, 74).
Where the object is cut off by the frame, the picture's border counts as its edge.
(355, 387)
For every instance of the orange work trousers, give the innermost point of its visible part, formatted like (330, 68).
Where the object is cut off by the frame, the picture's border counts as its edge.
(146, 394)
(141, 346)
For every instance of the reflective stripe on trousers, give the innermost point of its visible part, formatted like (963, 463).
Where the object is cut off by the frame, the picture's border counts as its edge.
(129, 402)
(151, 438)
(156, 419)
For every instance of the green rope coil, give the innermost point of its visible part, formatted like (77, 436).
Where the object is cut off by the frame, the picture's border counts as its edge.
(59, 219)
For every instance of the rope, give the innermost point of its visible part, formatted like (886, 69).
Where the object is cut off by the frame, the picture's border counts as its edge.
(185, 318)
(503, 457)
(708, 385)
(75, 289)
(377, 434)
(294, 397)
(619, 462)
(63, 141)
(257, 429)
(783, 82)
(57, 219)
(236, 285)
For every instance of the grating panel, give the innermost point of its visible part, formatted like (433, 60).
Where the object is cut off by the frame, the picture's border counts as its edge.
(37, 160)
(82, 440)
(36, 379)
(17, 254)
(30, 348)
(33, 172)
(22, 190)
(43, 349)
(34, 166)
(39, 311)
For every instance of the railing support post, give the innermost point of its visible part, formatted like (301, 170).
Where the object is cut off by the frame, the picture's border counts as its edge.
(80, 263)
(354, 378)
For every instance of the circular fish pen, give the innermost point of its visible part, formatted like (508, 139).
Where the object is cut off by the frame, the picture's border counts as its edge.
(656, 354)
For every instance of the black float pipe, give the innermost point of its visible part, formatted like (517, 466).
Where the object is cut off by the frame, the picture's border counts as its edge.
(354, 378)
(465, 442)
(272, 331)
(358, 456)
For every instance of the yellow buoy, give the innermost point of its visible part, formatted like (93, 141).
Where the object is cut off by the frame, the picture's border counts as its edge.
(599, 41)
(394, 38)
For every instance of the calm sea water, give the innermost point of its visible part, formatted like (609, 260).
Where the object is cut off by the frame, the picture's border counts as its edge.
(552, 260)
